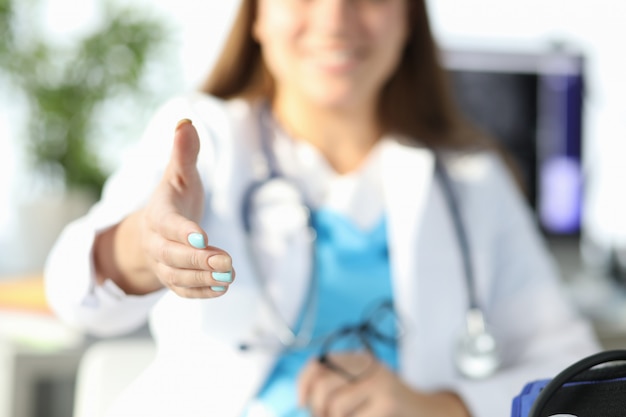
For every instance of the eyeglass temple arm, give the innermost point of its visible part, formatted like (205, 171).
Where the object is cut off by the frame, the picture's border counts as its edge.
(323, 359)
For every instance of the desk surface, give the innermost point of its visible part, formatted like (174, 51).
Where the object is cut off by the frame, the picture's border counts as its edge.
(27, 321)
(23, 293)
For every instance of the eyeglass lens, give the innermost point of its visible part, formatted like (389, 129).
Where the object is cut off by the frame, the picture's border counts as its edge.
(352, 350)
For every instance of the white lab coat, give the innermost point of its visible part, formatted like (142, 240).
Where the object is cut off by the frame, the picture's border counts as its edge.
(199, 370)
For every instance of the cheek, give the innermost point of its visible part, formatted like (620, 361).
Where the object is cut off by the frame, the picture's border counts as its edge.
(390, 28)
(276, 30)
(274, 23)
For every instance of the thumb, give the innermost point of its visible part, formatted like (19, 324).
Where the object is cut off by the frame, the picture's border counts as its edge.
(185, 151)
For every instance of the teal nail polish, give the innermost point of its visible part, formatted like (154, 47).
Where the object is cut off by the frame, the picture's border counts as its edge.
(196, 240)
(223, 276)
(218, 289)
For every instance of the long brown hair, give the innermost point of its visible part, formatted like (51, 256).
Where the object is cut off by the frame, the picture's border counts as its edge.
(416, 102)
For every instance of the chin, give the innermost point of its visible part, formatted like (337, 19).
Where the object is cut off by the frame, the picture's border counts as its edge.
(336, 100)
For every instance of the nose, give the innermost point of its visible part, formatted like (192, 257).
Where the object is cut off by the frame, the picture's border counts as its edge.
(335, 16)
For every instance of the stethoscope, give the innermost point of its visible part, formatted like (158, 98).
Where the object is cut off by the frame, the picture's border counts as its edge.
(476, 354)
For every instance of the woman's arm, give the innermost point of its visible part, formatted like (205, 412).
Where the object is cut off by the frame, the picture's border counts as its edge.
(97, 252)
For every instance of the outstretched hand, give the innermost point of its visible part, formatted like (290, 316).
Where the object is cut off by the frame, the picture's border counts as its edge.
(173, 240)
(162, 244)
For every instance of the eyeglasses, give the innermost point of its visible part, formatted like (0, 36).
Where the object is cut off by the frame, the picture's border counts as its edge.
(361, 342)
(351, 351)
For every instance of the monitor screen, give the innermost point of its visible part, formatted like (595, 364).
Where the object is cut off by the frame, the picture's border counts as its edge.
(532, 103)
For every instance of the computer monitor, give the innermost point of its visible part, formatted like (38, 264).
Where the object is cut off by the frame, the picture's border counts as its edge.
(532, 103)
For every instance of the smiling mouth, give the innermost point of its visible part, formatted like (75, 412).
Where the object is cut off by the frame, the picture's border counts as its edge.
(337, 59)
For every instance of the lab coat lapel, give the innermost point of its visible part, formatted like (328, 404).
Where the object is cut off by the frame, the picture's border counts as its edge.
(425, 265)
(407, 177)
(407, 180)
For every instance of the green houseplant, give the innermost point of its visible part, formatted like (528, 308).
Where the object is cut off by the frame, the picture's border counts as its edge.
(67, 89)
(66, 86)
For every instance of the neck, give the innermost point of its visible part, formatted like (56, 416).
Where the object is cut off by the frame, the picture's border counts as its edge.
(343, 136)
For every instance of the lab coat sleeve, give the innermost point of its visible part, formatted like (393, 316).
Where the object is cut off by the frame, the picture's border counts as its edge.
(70, 283)
(539, 331)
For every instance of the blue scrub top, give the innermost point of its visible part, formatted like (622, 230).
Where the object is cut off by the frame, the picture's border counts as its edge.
(352, 276)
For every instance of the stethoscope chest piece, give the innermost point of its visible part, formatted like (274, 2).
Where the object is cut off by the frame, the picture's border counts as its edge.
(476, 352)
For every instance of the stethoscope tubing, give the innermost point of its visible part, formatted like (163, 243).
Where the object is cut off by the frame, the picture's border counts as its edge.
(286, 335)
(453, 205)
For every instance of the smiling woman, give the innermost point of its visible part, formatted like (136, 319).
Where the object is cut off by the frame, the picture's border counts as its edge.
(339, 111)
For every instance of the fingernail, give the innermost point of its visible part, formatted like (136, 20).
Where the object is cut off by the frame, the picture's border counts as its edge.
(196, 240)
(223, 276)
(182, 122)
(218, 289)
(220, 262)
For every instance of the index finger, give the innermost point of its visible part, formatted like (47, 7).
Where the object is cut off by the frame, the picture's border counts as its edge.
(176, 227)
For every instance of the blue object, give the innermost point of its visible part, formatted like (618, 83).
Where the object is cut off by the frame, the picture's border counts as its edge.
(353, 274)
(524, 401)
(592, 391)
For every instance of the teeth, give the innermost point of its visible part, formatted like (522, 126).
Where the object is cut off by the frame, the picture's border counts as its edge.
(337, 57)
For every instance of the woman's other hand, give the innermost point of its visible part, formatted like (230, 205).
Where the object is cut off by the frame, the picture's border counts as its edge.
(378, 393)
(162, 244)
